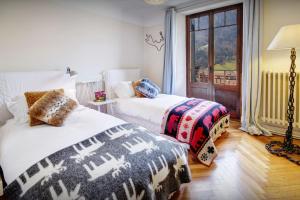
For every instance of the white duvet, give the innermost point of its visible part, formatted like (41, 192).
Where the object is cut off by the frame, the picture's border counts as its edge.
(21, 146)
(148, 109)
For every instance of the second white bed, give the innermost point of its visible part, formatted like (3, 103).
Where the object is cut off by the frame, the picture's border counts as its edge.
(144, 111)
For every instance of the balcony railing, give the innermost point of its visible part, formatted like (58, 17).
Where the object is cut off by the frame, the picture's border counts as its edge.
(220, 77)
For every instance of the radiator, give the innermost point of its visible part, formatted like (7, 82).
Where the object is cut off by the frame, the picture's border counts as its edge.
(274, 99)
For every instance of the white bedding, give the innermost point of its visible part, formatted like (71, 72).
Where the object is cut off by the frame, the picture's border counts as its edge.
(22, 146)
(152, 110)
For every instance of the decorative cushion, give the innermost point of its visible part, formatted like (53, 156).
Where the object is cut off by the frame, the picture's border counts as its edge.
(151, 83)
(124, 89)
(52, 108)
(147, 90)
(134, 85)
(31, 98)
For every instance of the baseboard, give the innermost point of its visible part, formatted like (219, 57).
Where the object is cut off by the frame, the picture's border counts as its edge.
(280, 130)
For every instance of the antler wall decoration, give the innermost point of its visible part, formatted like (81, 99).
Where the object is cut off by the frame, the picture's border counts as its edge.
(158, 44)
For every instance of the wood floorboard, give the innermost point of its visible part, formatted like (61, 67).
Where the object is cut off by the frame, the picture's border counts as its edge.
(243, 169)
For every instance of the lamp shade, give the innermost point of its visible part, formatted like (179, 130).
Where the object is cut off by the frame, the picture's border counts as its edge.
(288, 37)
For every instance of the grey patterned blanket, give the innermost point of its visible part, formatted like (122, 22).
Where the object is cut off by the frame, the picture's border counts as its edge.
(124, 162)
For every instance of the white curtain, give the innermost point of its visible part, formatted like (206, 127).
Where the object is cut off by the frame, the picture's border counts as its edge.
(251, 86)
(169, 58)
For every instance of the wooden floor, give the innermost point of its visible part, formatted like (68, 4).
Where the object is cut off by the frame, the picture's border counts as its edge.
(243, 169)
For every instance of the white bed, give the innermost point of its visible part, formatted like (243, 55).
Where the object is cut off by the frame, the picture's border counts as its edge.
(21, 145)
(142, 111)
(23, 149)
(195, 122)
(148, 112)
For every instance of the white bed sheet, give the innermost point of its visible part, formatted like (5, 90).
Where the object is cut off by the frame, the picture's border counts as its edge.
(147, 109)
(21, 146)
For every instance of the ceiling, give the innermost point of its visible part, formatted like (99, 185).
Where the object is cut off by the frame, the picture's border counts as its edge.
(145, 14)
(133, 11)
(135, 5)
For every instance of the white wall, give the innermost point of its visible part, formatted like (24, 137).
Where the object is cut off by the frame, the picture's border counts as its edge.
(89, 37)
(278, 13)
(93, 36)
(43, 35)
(153, 59)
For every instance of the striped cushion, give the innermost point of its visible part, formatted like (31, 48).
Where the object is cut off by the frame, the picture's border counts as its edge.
(148, 88)
(151, 83)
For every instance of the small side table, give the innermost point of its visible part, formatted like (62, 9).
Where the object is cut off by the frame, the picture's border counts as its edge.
(100, 104)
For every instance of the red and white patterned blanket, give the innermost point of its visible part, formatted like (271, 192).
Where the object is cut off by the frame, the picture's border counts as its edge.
(197, 122)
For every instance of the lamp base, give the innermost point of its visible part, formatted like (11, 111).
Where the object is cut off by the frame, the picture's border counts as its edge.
(287, 149)
(280, 149)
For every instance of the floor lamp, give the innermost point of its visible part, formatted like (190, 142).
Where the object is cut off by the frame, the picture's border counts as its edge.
(287, 38)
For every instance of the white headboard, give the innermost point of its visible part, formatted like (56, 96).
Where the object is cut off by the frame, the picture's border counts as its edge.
(112, 77)
(16, 83)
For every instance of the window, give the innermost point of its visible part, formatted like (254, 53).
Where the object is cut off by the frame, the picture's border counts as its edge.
(214, 51)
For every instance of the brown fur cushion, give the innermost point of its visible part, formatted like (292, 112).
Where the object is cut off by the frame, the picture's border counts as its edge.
(52, 108)
(31, 98)
(137, 93)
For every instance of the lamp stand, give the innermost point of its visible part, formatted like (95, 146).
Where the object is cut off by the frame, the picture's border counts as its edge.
(287, 149)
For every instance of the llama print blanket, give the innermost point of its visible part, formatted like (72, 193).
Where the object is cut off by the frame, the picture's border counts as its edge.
(197, 122)
(124, 162)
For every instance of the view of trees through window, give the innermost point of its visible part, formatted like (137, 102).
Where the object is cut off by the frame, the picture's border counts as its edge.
(225, 38)
(201, 56)
(225, 48)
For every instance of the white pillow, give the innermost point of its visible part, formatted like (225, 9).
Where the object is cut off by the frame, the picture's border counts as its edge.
(71, 93)
(124, 89)
(18, 108)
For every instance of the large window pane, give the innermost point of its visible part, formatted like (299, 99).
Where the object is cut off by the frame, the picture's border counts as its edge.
(231, 17)
(203, 22)
(213, 54)
(219, 19)
(199, 50)
(225, 69)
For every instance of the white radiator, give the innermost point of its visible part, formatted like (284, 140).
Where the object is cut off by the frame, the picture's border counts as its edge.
(274, 99)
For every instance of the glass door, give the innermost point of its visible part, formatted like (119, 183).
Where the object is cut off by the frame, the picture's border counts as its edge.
(199, 56)
(214, 51)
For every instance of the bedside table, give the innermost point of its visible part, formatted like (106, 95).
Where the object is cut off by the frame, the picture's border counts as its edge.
(101, 104)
